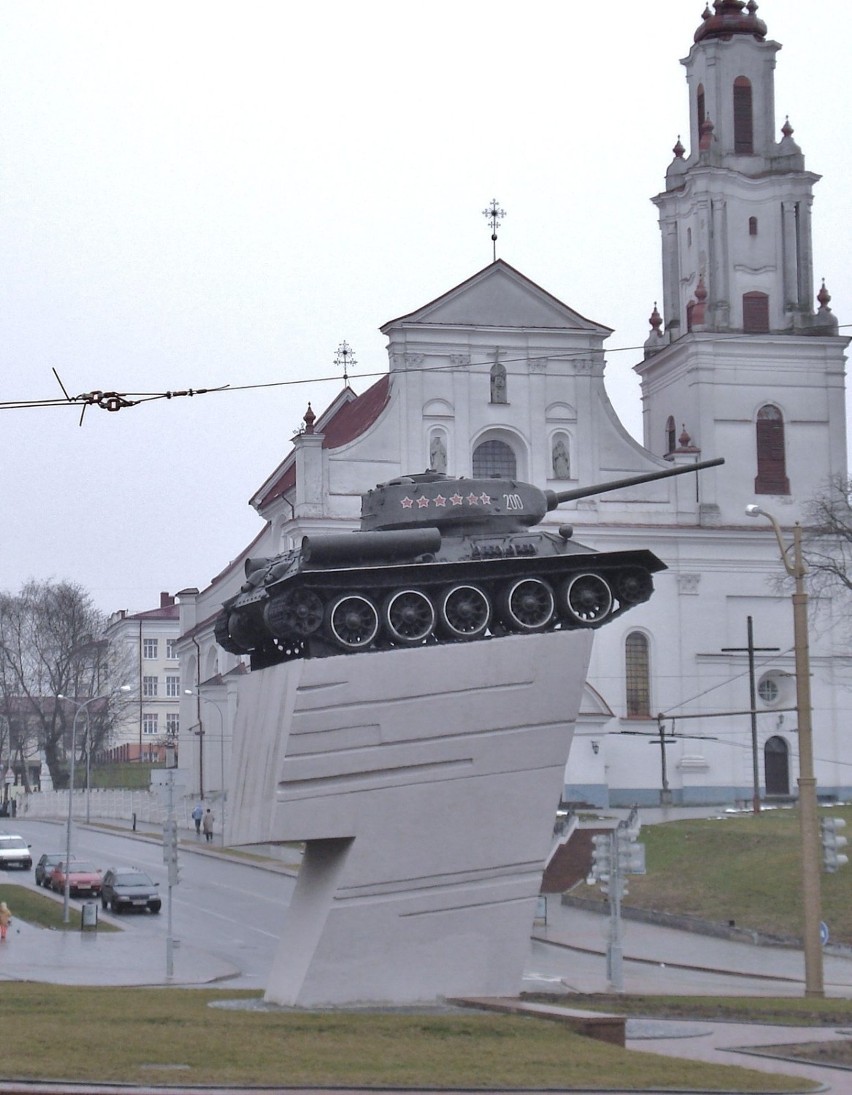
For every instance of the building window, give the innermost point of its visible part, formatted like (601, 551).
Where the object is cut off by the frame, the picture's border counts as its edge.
(638, 674)
(149, 725)
(768, 690)
(771, 463)
(172, 686)
(671, 432)
(149, 686)
(755, 313)
(700, 105)
(494, 458)
(752, 226)
(172, 725)
(149, 648)
(171, 649)
(743, 124)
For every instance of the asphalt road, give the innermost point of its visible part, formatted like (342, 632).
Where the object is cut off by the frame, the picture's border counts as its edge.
(230, 909)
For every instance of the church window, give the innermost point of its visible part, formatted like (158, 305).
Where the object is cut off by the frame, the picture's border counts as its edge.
(494, 458)
(743, 122)
(752, 226)
(671, 438)
(771, 464)
(755, 313)
(700, 105)
(637, 666)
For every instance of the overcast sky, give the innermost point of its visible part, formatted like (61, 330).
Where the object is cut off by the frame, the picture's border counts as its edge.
(195, 194)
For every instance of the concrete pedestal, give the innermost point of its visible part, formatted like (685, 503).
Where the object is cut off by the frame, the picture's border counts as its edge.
(424, 783)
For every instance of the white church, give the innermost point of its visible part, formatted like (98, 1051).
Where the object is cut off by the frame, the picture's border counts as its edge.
(497, 377)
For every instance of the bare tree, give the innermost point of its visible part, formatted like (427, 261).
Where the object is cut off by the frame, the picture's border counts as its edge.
(827, 539)
(50, 646)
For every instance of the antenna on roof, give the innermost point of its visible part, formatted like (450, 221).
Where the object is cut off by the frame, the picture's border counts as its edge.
(494, 214)
(345, 358)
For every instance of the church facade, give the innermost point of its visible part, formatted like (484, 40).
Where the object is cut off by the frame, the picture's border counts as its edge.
(498, 377)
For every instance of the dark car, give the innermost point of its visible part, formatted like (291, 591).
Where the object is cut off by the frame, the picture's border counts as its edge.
(83, 878)
(46, 866)
(127, 888)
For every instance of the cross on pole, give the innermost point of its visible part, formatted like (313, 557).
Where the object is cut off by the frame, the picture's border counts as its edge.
(750, 650)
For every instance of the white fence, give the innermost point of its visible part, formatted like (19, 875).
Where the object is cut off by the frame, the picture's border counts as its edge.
(144, 806)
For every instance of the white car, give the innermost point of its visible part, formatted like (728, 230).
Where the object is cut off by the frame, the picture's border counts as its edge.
(14, 852)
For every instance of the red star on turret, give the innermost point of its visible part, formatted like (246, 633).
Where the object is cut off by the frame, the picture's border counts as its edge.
(485, 499)
(422, 502)
(407, 503)
(473, 499)
(456, 499)
(440, 500)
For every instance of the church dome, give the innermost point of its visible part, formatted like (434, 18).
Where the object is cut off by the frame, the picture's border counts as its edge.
(731, 17)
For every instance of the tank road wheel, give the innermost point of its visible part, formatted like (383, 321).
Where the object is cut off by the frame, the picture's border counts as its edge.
(409, 617)
(296, 613)
(587, 599)
(633, 586)
(527, 604)
(352, 621)
(464, 612)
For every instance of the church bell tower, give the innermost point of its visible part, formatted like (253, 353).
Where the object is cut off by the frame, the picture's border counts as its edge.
(744, 361)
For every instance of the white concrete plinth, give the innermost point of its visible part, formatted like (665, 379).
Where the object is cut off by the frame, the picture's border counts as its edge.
(425, 784)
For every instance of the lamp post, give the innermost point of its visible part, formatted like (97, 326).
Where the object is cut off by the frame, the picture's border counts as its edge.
(80, 706)
(808, 819)
(204, 699)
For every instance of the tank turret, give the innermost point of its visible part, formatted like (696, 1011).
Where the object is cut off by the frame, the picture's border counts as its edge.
(437, 559)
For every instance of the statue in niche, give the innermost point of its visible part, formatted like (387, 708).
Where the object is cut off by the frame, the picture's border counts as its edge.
(438, 454)
(561, 460)
(498, 383)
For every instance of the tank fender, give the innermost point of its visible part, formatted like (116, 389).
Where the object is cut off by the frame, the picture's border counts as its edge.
(366, 547)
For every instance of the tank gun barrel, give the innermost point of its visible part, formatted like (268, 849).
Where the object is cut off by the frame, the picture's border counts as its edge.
(556, 498)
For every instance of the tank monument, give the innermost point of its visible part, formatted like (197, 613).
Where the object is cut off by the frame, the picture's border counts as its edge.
(424, 774)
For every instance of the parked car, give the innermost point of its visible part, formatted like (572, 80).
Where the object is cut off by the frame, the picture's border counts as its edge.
(127, 888)
(83, 878)
(14, 852)
(45, 866)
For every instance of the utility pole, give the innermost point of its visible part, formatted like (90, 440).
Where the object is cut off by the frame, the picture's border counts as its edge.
(750, 650)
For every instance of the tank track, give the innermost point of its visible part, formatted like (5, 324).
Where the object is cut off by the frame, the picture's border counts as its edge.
(349, 610)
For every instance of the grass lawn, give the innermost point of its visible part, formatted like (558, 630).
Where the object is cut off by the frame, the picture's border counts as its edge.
(149, 1036)
(744, 868)
(45, 909)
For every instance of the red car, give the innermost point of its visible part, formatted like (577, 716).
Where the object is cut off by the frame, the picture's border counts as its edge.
(83, 878)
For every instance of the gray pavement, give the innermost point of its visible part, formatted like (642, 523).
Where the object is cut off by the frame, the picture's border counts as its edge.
(567, 954)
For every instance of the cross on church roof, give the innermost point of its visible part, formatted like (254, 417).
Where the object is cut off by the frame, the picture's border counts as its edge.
(345, 357)
(494, 214)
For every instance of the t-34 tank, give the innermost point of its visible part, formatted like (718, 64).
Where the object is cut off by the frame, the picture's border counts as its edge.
(437, 559)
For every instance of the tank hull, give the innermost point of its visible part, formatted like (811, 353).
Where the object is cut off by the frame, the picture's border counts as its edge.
(347, 609)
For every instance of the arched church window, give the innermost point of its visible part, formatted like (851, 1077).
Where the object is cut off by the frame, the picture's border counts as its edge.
(637, 665)
(494, 458)
(743, 119)
(755, 313)
(671, 434)
(752, 226)
(771, 462)
(699, 99)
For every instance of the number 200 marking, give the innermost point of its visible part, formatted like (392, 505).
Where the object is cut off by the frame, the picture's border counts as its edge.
(513, 501)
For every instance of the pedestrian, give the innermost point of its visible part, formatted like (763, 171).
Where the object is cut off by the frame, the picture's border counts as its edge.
(197, 815)
(207, 825)
(5, 920)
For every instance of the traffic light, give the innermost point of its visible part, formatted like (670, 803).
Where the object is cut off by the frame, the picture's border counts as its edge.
(631, 855)
(601, 857)
(832, 858)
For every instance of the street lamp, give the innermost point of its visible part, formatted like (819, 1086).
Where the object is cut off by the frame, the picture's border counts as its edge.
(204, 699)
(80, 706)
(809, 823)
